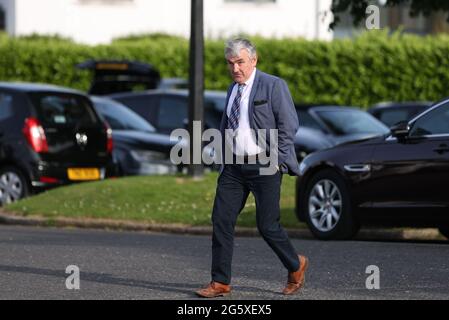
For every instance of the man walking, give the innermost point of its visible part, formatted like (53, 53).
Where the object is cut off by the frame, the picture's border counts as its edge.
(255, 101)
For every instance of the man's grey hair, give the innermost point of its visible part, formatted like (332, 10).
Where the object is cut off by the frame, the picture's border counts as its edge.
(234, 46)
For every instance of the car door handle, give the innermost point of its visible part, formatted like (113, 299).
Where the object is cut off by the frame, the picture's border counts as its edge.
(441, 149)
(358, 167)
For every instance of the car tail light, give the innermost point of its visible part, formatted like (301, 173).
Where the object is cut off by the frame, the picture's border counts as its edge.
(48, 180)
(110, 143)
(35, 135)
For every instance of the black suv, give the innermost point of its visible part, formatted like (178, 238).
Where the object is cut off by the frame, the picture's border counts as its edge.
(49, 136)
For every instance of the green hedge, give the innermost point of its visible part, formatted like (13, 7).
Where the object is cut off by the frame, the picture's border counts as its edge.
(373, 67)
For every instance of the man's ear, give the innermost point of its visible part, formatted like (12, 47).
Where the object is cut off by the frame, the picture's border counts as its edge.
(255, 61)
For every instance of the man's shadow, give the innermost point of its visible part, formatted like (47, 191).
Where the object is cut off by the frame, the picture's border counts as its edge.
(103, 278)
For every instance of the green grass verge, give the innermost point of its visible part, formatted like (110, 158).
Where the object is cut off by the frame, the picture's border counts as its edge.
(153, 199)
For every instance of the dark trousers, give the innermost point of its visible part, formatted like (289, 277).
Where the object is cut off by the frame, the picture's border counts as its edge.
(234, 185)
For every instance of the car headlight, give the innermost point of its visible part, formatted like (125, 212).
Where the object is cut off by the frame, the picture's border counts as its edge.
(148, 156)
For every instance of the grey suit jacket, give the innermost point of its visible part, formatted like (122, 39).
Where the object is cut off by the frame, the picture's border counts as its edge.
(274, 110)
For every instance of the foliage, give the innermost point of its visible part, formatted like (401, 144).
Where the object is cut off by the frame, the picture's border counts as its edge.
(375, 66)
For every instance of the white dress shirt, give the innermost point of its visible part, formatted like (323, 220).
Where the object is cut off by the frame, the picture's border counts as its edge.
(245, 142)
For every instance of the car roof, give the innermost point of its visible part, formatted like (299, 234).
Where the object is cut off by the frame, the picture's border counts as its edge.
(118, 66)
(36, 87)
(102, 99)
(401, 104)
(174, 81)
(179, 92)
(305, 106)
(326, 108)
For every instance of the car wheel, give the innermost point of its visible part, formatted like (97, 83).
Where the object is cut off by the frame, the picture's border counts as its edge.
(327, 207)
(13, 185)
(444, 231)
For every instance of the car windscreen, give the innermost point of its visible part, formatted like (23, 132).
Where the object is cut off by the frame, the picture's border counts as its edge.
(306, 120)
(59, 109)
(343, 122)
(120, 117)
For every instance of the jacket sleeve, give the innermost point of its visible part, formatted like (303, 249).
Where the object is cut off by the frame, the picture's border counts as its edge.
(286, 119)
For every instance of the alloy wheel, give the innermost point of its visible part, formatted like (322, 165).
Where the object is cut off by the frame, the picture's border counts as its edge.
(11, 188)
(325, 205)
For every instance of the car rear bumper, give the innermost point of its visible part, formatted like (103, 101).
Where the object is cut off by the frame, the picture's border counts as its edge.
(46, 175)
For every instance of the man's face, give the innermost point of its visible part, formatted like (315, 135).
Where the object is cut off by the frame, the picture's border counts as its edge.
(242, 66)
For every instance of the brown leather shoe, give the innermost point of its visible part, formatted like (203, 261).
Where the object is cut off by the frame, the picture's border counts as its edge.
(296, 279)
(214, 289)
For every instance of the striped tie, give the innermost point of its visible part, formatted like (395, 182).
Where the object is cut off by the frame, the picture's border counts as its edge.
(233, 120)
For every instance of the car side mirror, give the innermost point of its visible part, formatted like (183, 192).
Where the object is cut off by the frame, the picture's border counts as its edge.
(400, 130)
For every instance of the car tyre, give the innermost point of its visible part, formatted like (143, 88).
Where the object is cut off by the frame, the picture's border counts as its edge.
(13, 185)
(327, 207)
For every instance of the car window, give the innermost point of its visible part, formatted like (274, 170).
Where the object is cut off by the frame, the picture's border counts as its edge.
(144, 105)
(306, 120)
(5, 106)
(120, 117)
(343, 122)
(415, 111)
(63, 109)
(172, 113)
(393, 116)
(433, 122)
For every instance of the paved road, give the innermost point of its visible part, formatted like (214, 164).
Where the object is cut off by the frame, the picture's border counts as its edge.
(115, 265)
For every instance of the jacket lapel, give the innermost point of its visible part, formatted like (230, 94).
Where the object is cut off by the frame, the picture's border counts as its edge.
(251, 99)
(224, 118)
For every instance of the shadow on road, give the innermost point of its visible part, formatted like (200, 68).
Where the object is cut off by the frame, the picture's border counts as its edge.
(112, 280)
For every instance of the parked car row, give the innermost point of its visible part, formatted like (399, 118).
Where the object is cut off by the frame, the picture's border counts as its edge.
(365, 178)
(354, 169)
(320, 126)
(167, 109)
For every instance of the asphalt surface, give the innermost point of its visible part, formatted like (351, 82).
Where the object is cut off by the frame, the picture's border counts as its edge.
(124, 265)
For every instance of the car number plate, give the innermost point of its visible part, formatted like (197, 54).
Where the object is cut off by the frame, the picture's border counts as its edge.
(83, 174)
